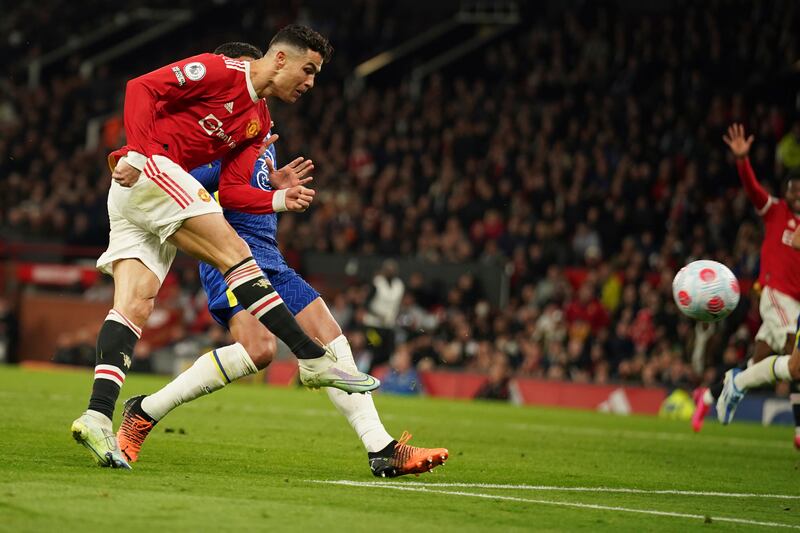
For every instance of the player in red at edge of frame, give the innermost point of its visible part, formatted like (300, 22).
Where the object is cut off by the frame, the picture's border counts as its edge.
(779, 278)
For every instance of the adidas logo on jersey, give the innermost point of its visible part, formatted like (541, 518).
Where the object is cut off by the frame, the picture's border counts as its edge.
(229, 107)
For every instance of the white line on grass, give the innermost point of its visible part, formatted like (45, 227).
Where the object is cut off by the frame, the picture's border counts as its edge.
(557, 503)
(597, 489)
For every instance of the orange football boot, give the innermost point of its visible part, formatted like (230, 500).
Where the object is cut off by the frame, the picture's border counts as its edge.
(406, 459)
(135, 427)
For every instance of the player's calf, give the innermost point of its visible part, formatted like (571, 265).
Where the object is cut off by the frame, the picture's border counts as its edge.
(115, 344)
(258, 297)
(259, 343)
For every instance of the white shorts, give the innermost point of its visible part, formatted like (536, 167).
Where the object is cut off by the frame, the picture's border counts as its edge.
(778, 318)
(145, 215)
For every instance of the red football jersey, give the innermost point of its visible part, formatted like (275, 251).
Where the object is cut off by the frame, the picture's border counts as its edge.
(196, 111)
(780, 263)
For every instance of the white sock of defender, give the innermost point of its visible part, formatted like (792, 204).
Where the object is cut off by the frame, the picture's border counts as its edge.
(358, 409)
(210, 372)
(772, 369)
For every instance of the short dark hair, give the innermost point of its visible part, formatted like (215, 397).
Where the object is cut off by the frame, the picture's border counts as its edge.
(236, 49)
(304, 38)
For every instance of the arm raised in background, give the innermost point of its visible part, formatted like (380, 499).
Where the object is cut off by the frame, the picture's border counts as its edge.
(740, 147)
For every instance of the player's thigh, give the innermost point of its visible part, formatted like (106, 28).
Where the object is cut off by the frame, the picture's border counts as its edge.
(257, 340)
(211, 239)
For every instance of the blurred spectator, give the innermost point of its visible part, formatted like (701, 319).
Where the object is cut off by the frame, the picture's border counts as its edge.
(496, 388)
(401, 377)
(386, 297)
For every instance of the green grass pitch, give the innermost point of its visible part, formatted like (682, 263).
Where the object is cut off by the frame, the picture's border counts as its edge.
(258, 458)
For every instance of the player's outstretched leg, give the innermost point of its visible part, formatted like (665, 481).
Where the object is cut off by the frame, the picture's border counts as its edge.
(209, 373)
(211, 239)
(319, 367)
(737, 382)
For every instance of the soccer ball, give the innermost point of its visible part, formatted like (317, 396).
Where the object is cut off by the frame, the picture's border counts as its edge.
(705, 290)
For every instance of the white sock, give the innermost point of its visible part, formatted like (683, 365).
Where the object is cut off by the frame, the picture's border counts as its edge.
(210, 372)
(708, 398)
(772, 369)
(358, 409)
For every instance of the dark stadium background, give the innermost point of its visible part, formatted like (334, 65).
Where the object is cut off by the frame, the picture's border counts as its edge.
(539, 171)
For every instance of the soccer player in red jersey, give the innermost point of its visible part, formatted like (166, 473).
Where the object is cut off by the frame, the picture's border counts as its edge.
(779, 275)
(185, 114)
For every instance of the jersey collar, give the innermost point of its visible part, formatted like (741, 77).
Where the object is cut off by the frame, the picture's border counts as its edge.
(250, 88)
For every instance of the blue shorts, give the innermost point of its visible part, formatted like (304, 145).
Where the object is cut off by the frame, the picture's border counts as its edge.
(294, 290)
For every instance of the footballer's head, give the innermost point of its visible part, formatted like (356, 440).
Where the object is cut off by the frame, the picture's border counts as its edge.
(240, 51)
(297, 54)
(792, 194)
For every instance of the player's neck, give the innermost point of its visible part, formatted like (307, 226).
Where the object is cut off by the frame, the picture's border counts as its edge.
(261, 75)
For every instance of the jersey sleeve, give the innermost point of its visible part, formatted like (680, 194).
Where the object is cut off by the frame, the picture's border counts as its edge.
(208, 175)
(195, 77)
(235, 190)
(755, 192)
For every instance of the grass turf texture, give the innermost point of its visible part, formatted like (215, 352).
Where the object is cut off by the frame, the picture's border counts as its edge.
(251, 457)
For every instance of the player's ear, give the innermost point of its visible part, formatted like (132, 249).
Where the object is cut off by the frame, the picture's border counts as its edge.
(280, 59)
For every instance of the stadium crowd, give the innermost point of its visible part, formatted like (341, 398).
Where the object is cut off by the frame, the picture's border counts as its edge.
(532, 154)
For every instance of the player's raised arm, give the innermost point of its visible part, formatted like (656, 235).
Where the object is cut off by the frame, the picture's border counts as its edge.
(235, 191)
(740, 147)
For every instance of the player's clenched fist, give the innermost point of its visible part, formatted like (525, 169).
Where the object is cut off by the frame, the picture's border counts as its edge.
(298, 198)
(125, 174)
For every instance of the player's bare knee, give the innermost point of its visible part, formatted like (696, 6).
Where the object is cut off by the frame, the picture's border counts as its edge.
(136, 309)
(261, 348)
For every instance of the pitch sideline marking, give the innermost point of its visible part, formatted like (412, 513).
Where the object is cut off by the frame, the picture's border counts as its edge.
(598, 489)
(559, 504)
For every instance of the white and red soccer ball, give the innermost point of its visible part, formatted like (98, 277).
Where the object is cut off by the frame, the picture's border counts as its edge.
(705, 290)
